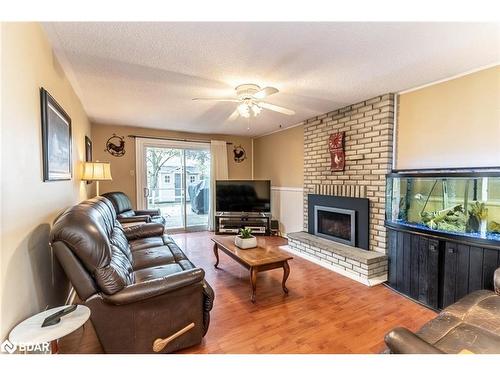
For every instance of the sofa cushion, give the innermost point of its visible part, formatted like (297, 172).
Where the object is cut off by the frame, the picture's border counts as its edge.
(461, 308)
(151, 257)
(176, 251)
(146, 243)
(151, 273)
(472, 323)
(435, 329)
(86, 229)
(186, 264)
(486, 314)
(469, 337)
(119, 240)
(116, 275)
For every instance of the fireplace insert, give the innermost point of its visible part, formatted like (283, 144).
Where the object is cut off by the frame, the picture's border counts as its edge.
(335, 224)
(341, 219)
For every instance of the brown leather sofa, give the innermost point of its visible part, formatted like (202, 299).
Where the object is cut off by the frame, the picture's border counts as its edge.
(136, 281)
(126, 214)
(472, 324)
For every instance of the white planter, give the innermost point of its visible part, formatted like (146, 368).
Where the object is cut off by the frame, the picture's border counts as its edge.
(245, 243)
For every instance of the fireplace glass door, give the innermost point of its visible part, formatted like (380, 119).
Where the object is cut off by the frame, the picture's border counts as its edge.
(335, 224)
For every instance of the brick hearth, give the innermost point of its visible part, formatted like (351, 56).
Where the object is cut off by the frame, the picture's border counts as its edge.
(367, 267)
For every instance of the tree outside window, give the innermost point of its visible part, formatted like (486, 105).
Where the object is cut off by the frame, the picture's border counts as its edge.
(157, 157)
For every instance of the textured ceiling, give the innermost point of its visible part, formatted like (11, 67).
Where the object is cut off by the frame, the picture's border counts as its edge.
(145, 74)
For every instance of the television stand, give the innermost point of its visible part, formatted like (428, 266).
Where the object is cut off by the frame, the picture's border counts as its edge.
(232, 222)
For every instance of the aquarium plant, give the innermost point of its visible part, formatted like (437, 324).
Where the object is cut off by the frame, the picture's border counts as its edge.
(478, 213)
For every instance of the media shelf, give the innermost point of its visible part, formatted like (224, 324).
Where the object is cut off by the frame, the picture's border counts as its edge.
(231, 223)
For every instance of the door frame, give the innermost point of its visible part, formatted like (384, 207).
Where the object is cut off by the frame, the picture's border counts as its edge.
(140, 170)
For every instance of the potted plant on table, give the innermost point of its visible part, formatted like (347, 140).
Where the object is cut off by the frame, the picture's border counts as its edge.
(245, 240)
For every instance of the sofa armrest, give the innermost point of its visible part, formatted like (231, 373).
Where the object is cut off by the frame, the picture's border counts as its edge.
(496, 281)
(148, 212)
(143, 231)
(402, 341)
(135, 219)
(156, 287)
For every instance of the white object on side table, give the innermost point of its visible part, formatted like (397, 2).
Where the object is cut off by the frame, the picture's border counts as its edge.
(31, 333)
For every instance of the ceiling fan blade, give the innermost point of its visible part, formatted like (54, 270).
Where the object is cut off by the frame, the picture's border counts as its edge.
(234, 115)
(265, 92)
(276, 108)
(219, 99)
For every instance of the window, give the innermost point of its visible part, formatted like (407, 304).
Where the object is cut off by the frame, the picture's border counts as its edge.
(192, 178)
(167, 179)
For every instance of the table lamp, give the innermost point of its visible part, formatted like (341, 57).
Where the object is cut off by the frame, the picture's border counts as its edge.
(96, 171)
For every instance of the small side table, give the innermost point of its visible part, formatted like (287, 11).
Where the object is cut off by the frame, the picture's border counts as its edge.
(30, 332)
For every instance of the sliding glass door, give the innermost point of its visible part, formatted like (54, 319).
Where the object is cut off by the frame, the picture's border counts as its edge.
(174, 177)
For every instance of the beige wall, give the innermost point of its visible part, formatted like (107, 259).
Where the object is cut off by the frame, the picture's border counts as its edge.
(451, 124)
(123, 168)
(279, 157)
(30, 280)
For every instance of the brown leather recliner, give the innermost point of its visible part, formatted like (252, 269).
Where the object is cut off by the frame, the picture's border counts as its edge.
(136, 281)
(126, 214)
(471, 324)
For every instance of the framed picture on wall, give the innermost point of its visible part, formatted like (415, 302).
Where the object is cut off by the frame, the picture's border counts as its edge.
(56, 139)
(88, 152)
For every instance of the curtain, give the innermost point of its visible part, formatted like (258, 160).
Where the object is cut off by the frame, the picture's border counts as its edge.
(218, 171)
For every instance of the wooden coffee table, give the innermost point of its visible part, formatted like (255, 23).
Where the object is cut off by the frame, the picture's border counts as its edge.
(266, 256)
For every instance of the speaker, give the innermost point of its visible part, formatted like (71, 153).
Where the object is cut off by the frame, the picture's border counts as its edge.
(275, 227)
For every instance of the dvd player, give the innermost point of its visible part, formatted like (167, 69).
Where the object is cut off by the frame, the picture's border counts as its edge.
(236, 229)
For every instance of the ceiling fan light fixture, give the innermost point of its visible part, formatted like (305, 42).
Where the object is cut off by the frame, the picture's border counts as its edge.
(250, 98)
(256, 109)
(244, 110)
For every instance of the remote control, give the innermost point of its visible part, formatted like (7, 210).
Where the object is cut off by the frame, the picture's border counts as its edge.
(56, 317)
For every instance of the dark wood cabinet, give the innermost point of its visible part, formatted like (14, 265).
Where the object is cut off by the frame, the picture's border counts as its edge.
(414, 266)
(438, 271)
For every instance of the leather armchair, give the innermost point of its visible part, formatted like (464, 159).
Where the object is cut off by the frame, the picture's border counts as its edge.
(126, 214)
(137, 282)
(472, 323)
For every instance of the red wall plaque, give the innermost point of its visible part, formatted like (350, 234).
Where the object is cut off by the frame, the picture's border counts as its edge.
(336, 148)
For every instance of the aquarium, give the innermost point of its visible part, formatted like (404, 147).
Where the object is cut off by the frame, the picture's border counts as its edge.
(461, 204)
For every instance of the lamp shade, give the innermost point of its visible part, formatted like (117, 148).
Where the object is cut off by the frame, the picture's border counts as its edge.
(96, 171)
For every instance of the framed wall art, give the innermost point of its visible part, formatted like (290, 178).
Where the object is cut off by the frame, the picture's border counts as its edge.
(56, 139)
(88, 152)
(337, 154)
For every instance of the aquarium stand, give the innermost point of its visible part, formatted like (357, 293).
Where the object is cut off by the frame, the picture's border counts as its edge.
(435, 269)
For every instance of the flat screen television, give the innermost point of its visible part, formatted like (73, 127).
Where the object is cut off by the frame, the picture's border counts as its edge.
(243, 196)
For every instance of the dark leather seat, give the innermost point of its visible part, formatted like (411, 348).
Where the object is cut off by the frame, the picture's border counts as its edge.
(472, 324)
(126, 214)
(137, 282)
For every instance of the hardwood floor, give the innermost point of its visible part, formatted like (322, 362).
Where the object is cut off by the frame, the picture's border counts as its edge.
(323, 313)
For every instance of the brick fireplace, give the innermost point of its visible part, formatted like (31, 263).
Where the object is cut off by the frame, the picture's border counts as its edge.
(368, 128)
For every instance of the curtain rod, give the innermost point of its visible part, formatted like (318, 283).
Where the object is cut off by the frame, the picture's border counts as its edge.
(173, 139)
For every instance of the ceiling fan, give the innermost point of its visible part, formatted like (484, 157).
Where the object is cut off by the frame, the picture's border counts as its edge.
(250, 96)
